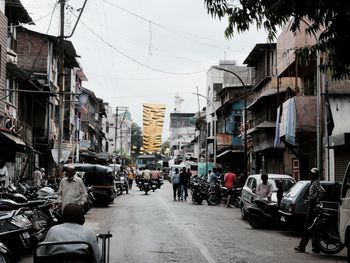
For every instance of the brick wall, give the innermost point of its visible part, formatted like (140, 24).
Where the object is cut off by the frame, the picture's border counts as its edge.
(3, 56)
(32, 47)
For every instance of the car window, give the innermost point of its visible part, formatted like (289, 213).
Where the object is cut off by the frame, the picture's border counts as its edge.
(286, 184)
(250, 182)
(345, 193)
(332, 192)
(294, 191)
(253, 184)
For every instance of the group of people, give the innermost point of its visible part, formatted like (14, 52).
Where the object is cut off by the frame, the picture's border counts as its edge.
(180, 183)
(39, 177)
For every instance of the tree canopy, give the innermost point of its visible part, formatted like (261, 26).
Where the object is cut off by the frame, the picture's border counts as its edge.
(331, 16)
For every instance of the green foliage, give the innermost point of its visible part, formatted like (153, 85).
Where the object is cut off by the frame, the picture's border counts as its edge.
(332, 17)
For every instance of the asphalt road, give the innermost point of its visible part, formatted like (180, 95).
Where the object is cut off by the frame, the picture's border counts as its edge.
(154, 228)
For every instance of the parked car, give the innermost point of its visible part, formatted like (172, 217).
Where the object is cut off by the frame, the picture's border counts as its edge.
(344, 211)
(293, 210)
(249, 188)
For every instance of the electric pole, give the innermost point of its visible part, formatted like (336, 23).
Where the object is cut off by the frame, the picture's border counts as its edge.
(61, 86)
(117, 110)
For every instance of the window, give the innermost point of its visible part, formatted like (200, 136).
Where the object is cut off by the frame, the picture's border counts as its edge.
(11, 84)
(217, 87)
(208, 129)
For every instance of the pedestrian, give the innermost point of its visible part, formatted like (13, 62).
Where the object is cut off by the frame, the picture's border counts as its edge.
(130, 176)
(264, 188)
(37, 177)
(71, 230)
(316, 193)
(184, 181)
(229, 180)
(175, 179)
(4, 174)
(44, 177)
(71, 189)
(212, 178)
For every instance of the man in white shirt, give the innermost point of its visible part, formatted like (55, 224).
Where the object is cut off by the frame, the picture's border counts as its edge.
(72, 189)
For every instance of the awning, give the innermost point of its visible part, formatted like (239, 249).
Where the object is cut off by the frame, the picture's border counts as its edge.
(9, 145)
(10, 137)
(228, 152)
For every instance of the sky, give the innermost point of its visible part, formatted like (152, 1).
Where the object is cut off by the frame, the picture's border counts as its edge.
(136, 51)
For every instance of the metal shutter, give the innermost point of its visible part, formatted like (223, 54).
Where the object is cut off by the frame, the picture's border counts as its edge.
(342, 158)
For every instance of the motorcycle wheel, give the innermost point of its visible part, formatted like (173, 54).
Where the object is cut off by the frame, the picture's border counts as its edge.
(328, 239)
(213, 199)
(4, 258)
(254, 221)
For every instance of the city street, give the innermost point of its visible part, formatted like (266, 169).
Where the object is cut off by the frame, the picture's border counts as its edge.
(154, 228)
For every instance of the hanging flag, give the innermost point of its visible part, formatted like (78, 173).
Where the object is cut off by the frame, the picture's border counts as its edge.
(329, 116)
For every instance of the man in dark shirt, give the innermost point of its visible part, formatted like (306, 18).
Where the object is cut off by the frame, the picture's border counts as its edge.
(183, 184)
(316, 192)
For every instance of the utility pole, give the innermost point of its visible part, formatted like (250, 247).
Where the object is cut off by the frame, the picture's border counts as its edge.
(61, 86)
(117, 110)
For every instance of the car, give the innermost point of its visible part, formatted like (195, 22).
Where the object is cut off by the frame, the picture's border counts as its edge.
(344, 211)
(293, 209)
(249, 188)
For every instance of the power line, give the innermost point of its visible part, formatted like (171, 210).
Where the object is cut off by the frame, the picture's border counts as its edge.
(169, 29)
(134, 60)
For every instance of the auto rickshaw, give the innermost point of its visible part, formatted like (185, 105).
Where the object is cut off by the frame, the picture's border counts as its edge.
(101, 178)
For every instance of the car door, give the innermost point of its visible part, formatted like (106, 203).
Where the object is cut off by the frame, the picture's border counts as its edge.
(247, 191)
(344, 205)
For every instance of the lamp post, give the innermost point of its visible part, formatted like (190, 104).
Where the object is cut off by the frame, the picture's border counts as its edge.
(244, 116)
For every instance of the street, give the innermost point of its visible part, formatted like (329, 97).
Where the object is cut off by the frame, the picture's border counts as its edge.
(154, 228)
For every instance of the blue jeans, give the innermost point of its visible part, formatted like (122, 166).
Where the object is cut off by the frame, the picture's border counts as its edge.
(184, 192)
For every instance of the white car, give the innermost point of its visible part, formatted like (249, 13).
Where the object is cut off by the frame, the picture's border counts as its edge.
(344, 211)
(249, 188)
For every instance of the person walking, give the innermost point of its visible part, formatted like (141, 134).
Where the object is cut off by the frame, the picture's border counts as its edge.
(4, 174)
(37, 178)
(229, 180)
(184, 181)
(71, 189)
(130, 176)
(175, 179)
(316, 193)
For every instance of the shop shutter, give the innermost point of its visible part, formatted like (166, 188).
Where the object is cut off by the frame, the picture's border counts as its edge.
(342, 158)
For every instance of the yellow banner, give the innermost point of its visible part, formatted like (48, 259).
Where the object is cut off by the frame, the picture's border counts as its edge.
(153, 120)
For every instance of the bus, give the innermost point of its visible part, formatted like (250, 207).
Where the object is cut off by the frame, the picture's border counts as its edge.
(146, 160)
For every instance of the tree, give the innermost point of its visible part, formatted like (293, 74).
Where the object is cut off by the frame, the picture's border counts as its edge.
(136, 138)
(329, 16)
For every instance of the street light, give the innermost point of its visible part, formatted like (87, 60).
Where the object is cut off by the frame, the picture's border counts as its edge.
(245, 116)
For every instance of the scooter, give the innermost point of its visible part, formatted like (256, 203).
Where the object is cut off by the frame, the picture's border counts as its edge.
(154, 184)
(262, 213)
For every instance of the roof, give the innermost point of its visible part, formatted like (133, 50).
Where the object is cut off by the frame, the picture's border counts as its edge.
(18, 13)
(69, 50)
(178, 114)
(257, 52)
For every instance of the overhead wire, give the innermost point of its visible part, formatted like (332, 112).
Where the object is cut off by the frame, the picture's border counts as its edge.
(169, 29)
(135, 60)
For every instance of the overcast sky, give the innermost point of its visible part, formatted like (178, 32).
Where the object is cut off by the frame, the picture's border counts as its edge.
(137, 51)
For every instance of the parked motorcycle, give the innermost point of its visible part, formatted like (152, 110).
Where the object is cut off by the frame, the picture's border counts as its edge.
(215, 194)
(199, 190)
(263, 213)
(327, 233)
(14, 234)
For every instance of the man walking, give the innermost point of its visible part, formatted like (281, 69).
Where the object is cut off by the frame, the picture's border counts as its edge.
(316, 193)
(72, 189)
(229, 180)
(175, 179)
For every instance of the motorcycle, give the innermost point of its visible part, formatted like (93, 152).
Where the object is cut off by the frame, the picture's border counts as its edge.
(154, 184)
(262, 213)
(199, 190)
(14, 234)
(327, 234)
(214, 195)
(146, 186)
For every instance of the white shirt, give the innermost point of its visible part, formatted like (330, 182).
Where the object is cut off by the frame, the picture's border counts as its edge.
(73, 191)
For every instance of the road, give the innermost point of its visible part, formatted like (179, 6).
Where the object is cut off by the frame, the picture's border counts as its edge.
(154, 228)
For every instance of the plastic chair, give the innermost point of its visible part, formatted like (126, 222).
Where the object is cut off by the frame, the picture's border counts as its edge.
(46, 252)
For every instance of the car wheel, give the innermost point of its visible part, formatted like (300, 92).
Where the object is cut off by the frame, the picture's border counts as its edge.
(243, 212)
(4, 258)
